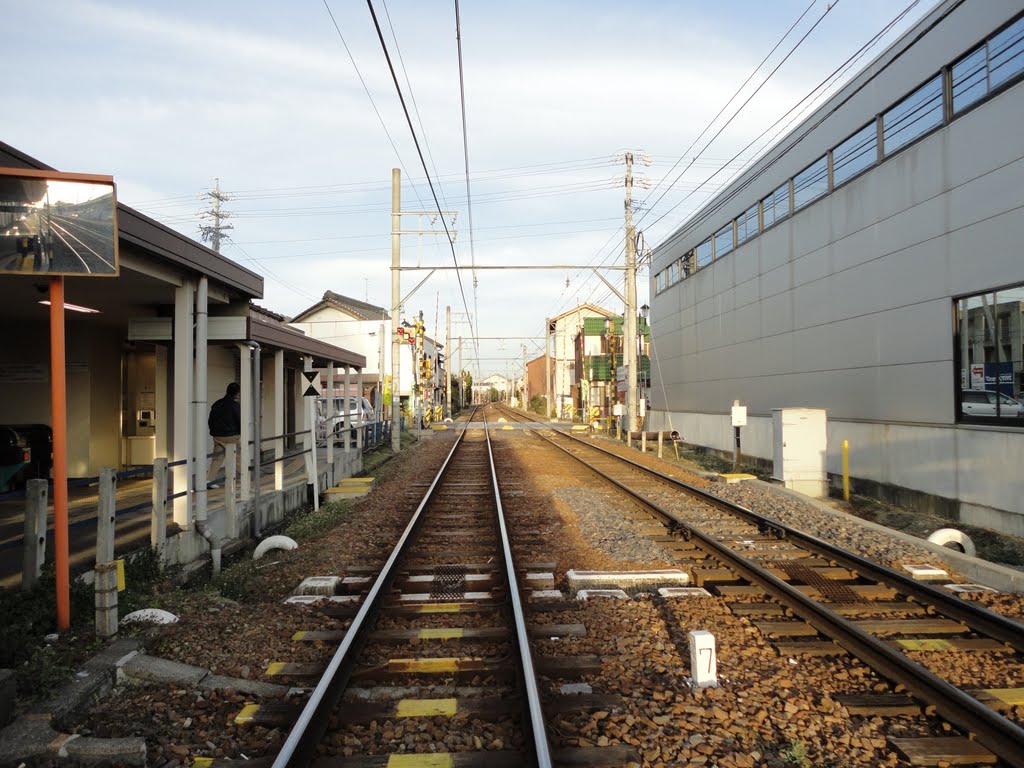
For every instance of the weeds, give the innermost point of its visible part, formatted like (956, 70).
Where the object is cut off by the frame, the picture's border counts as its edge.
(312, 524)
(796, 755)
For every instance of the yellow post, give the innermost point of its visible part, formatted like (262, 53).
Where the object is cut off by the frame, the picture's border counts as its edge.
(846, 470)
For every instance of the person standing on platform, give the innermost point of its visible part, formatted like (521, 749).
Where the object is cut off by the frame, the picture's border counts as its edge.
(225, 424)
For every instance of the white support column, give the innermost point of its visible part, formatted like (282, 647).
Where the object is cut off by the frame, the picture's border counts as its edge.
(279, 395)
(199, 405)
(329, 420)
(158, 517)
(106, 569)
(359, 409)
(309, 434)
(36, 494)
(184, 298)
(245, 436)
(349, 417)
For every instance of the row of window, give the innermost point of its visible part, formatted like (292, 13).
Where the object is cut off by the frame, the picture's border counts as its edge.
(994, 63)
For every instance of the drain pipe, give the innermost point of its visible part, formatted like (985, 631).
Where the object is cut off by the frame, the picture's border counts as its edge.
(201, 388)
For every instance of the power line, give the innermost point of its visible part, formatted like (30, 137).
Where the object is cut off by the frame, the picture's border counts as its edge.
(465, 155)
(412, 130)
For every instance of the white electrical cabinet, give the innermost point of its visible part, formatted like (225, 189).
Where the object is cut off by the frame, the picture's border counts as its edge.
(800, 440)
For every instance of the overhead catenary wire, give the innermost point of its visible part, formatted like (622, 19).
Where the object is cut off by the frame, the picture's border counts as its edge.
(419, 151)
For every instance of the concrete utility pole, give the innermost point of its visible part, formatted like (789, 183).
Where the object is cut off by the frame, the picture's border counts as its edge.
(448, 362)
(462, 379)
(396, 298)
(214, 233)
(547, 366)
(629, 317)
(526, 383)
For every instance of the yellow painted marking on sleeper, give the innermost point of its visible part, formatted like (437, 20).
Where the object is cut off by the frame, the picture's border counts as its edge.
(439, 760)
(439, 608)
(442, 633)
(929, 644)
(275, 668)
(247, 714)
(426, 707)
(1012, 696)
(202, 762)
(441, 664)
(300, 635)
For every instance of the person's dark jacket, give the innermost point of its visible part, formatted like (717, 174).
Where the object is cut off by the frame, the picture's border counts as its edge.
(225, 417)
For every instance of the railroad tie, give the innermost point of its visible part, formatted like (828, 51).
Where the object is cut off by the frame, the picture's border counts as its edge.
(829, 588)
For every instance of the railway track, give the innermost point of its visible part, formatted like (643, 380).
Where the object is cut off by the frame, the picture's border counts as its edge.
(811, 597)
(438, 641)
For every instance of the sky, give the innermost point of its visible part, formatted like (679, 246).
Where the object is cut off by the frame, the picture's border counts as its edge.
(292, 107)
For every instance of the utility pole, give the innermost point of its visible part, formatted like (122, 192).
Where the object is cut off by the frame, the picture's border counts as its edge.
(547, 367)
(526, 383)
(448, 361)
(629, 318)
(396, 298)
(462, 379)
(213, 233)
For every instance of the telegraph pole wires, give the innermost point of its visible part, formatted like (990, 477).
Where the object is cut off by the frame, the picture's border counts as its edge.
(213, 233)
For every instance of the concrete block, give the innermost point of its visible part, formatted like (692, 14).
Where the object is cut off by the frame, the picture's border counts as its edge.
(310, 599)
(153, 669)
(966, 589)
(627, 580)
(926, 572)
(576, 689)
(735, 477)
(318, 585)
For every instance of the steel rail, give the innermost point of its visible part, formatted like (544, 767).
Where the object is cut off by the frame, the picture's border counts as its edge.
(300, 746)
(996, 733)
(535, 716)
(996, 626)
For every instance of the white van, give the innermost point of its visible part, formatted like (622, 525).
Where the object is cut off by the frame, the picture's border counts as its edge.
(358, 413)
(982, 402)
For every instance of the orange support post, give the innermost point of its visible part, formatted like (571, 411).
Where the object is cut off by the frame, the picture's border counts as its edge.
(58, 412)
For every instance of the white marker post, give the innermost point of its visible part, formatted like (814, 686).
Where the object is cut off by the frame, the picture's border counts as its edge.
(703, 663)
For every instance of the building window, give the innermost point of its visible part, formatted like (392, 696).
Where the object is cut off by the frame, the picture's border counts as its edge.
(659, 281)
(811, 183)
(723, 240)
(746, 225)
(917, 114)
(689, 259)
(776, 205)
(1006, 54)
(854, 155)
(989, 341)
(703, 253)
(970, 79)
(673, 273)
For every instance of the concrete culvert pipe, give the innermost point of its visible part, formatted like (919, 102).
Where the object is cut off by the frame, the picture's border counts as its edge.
(271, 543)
(954, 539)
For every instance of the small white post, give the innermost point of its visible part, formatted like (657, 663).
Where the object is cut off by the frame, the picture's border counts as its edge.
(661, 443)
(35, 532)
(703, 663)
(643, 442)
(106, 569)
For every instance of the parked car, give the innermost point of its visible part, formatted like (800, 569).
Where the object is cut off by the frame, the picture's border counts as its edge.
(358, 412)
(982, 402)
(15, 455)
